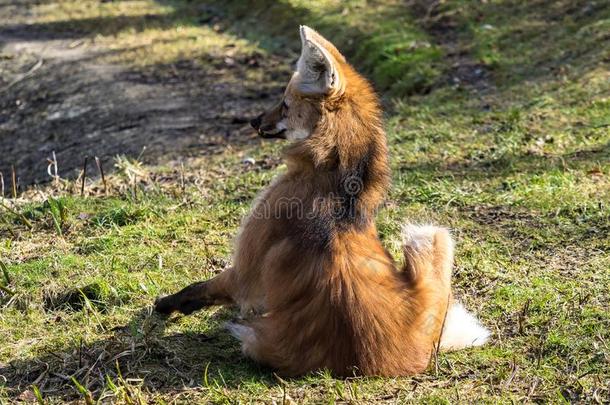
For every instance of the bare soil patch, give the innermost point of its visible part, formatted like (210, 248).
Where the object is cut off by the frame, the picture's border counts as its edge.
(56, 95)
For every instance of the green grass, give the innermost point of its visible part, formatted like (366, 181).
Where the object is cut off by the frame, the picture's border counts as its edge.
(516, 163)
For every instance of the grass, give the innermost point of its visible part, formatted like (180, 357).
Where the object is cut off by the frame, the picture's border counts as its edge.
(514, 157)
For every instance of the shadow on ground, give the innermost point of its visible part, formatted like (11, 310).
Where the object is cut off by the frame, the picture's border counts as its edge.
(141, 353)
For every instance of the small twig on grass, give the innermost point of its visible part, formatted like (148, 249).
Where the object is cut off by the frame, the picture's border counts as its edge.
(14, 179)
(7, 280)
(80, 352)
(283, 385)
(135, 188)
(7, 290)
(98, 162)
(599, 126)
(82, 184)
(41, 377)
(510, 379)
(437, 345)
(141, 153)
(27, 74)
(19, 215)
(182, 187)
(523, 316)
(8, 224)
(533, 387)
(53, 165)
(76, 43)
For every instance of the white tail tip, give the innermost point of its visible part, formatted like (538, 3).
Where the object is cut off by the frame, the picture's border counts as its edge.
(420, 238)
(462, 329)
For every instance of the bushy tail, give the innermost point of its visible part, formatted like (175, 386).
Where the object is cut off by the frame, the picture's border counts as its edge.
(428, 262)
(462, 329)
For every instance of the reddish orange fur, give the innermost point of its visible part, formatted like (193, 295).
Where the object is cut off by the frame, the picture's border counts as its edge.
(319, 290)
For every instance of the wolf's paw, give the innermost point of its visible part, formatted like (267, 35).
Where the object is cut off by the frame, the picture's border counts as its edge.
(165, 305)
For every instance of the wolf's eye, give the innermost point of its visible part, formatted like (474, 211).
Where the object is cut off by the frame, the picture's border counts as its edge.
(284, 105)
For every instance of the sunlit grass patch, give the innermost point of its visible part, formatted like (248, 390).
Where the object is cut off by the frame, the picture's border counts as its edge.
(73, 11)
(143, 32)
(164, 46)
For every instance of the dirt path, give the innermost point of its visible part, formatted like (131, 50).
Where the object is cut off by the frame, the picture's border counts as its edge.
(56, 95)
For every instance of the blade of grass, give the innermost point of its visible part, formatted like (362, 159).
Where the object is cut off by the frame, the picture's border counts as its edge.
(83, 391)
(7, 279)
(38, 395)
(57, 211)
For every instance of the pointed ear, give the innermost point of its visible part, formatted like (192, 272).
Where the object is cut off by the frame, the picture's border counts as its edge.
(319, 72)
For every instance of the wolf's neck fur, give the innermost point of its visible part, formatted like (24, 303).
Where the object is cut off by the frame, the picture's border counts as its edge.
(346, 157)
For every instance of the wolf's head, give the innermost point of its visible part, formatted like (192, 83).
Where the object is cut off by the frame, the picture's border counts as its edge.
(320, 77)
(333, 116)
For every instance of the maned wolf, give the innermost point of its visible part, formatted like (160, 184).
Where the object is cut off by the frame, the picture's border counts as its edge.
(315, 286)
